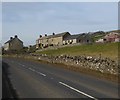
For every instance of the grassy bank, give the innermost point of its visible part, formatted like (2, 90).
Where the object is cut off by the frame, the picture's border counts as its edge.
(109, 50)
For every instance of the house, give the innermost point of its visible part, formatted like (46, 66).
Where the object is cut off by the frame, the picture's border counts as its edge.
(62, 39)
(14, 44)
(51, 40)
(71, 39)
(112, 37)
(31, 48)
(77, 38)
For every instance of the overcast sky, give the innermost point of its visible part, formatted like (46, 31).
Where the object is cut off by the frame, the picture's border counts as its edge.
(29, 20)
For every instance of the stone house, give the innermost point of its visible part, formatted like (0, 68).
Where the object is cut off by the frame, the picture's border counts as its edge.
(14, 44)
(78, 38)
(62, 39)
(112, 37)
(51, 40)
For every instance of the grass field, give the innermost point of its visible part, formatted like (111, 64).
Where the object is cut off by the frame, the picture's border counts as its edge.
(109, 50)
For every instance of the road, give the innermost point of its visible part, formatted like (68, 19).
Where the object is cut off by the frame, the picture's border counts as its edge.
(37, 80)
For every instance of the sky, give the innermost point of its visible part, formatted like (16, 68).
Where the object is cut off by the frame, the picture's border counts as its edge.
(28, 20)
(60, 0)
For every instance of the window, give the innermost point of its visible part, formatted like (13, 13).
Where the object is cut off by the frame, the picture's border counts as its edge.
(105, 39)
(87, 41)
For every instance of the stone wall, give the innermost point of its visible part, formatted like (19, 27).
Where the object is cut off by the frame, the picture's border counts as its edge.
(104, 65)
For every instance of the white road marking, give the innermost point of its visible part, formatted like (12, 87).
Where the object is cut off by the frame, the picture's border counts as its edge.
(41, 73)
(36, 71)
(31, 69)
(78, 91)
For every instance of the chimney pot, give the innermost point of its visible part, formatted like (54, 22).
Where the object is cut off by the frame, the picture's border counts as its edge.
(53, 33)
(40, 36)
(15, 36)
(11, 38)
(45, 34)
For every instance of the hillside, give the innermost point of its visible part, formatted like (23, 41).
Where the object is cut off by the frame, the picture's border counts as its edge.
(109, 50)
(118, 31)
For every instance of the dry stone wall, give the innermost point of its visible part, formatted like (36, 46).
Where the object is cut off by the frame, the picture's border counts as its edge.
(104, 65)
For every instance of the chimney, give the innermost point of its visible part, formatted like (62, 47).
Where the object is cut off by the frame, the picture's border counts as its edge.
(45, 34)
(15, 36)
(40, 36)
(11, 38)
(53, 33)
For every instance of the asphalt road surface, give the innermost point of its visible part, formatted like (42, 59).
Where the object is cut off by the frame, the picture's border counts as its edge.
(37, 80)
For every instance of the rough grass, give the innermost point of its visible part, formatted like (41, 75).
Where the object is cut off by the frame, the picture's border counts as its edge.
(109, 50)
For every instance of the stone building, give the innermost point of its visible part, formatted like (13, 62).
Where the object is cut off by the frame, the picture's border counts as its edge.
(62, 39)
(14, 44)
(112, 37)
(77, 38)
(51, 40)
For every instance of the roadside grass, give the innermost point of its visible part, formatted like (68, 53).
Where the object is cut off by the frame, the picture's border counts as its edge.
(109, 50)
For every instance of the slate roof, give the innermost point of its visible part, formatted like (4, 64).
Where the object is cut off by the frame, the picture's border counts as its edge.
(74, 36)
(56, 35)
(12, 40)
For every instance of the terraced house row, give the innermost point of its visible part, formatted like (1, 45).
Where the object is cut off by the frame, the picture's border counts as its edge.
(64, 38)
(60, 39)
